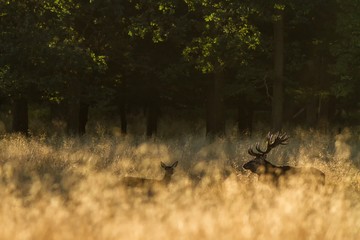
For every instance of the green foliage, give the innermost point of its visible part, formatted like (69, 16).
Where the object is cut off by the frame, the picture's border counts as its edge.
(223, 35)
(346, 50)
(128, 52)
(41, 49)
(152, 18)
(24, 37)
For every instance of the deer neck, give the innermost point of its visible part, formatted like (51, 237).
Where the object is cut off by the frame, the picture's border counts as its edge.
(167, 178)
(269, 166)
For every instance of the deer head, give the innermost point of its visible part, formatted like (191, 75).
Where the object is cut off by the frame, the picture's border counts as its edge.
(169, 170)
(259, 164)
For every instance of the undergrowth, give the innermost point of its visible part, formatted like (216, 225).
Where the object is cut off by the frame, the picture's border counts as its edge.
(70, 188)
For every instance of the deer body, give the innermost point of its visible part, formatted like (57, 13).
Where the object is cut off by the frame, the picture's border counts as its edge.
(272, 172)
(267, 170)
(145, 182)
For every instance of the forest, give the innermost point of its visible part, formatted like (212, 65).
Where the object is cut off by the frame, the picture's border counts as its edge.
(284, 63)
(147, 119)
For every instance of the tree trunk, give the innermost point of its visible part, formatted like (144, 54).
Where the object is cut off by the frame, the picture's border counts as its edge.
(73, 105)
(83, 117)
(73, 118)
(20, 121)
(77, 118)
(277, 98)
(325, 112)
(123, 118)
(245, 117)
(58, 115)
(152, 119)
(332, 107)
(57, 112)
(311, 111)
(215, 124)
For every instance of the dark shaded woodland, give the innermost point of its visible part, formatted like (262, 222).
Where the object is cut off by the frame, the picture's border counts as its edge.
(286, 62)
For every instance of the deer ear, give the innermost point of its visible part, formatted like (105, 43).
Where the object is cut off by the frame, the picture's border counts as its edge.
(163, 165)
(175, 164)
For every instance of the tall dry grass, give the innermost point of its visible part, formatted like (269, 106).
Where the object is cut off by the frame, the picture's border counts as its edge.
(68, 188)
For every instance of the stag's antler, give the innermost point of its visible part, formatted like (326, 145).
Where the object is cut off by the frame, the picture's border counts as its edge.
(273, 140)
(252, 153)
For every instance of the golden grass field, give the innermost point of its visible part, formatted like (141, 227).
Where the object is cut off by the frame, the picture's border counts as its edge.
(69, 188)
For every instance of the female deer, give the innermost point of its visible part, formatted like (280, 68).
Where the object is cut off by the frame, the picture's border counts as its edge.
(145, 182)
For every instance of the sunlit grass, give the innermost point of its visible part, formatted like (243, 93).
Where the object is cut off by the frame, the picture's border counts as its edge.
(68, 188)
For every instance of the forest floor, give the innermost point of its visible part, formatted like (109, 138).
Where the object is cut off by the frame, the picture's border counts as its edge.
(70, 188)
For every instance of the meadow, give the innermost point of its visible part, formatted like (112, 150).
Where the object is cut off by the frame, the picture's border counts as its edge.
(69, 188)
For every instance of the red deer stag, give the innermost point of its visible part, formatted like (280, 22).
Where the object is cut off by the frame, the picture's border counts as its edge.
(267, 170)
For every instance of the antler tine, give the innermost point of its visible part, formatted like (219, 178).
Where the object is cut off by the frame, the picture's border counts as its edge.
(282, 138)
(269, 143)
(257, 147)
(252, 153)
(269, 137)
(273, 140)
